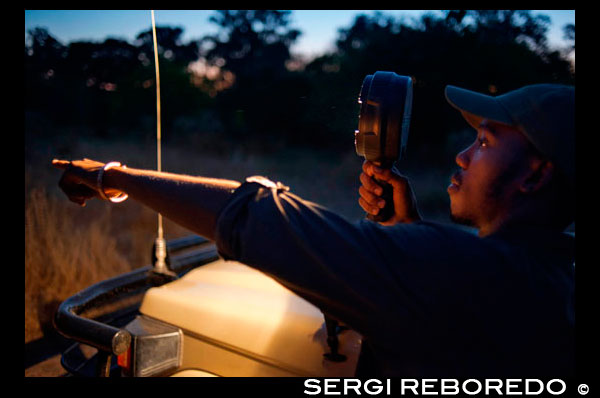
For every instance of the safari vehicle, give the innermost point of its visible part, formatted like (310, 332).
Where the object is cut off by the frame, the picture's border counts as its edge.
(203, 317)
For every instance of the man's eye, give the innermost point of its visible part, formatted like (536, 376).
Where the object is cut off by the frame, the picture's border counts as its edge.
(482, 142)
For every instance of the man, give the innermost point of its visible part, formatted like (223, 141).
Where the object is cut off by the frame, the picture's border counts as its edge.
(431, 300)
(480, 194)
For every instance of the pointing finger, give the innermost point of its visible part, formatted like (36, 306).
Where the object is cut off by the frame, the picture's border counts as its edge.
(60, 164)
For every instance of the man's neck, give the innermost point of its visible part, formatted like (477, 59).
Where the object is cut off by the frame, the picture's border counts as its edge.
(516, 222)
(521, 214)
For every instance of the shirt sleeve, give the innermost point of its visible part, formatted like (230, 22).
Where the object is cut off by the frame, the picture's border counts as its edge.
(362, 273)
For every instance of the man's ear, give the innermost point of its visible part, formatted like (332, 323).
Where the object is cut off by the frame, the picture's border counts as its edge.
(540, 176)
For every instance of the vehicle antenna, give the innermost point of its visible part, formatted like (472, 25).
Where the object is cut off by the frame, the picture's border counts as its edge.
(160, 245)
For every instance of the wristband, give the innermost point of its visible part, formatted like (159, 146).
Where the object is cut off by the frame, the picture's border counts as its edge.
(100, 186)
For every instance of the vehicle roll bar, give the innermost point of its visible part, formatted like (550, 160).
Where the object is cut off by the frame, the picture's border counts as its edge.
(110, 340)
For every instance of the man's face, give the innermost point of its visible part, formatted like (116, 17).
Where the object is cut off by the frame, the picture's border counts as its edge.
(491, 169)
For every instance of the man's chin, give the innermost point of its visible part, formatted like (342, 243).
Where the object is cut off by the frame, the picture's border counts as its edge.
(461, 220)
(455, 210)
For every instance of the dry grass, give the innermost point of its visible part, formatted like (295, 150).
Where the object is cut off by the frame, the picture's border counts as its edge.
(68, 248)
(61, 256)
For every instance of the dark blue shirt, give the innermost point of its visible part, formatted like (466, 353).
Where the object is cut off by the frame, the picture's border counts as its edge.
(432, 300)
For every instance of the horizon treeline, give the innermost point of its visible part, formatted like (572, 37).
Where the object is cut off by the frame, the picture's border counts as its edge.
(243, 88)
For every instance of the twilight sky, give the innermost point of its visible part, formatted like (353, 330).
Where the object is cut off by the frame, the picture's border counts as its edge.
(319, 27)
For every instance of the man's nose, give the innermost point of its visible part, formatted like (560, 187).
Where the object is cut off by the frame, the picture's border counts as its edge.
(462, 159)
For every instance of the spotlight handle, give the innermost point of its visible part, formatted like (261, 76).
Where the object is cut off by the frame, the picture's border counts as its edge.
(388, 195)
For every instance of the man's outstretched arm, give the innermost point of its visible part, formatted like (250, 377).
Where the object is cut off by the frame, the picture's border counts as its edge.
(192, 202)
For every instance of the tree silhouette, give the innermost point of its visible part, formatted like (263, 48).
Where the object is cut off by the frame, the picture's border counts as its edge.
(251, 50)
(110, 88)
(569, 34)
(44, 58)
(490, 51)
(251, 42)
(502, 26)
(170, 45)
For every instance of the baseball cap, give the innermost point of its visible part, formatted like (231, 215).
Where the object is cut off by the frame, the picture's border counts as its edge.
(544, 113)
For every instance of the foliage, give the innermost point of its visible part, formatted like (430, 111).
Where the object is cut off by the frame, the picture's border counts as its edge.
(262, 105)
(254, 100)
(251, 43)
(569, 34)
(494, 54)
(109, 86)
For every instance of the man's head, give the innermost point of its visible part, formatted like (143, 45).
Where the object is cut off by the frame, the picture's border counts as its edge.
(521, 166)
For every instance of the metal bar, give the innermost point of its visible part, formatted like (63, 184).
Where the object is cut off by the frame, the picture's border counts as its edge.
(69, 322)
(186, 242)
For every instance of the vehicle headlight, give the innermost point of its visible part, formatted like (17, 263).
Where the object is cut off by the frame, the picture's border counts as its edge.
(156, 348)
